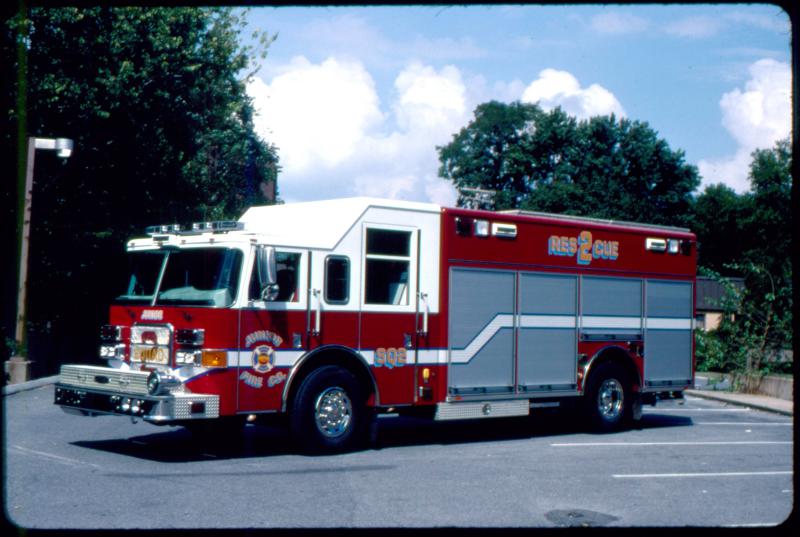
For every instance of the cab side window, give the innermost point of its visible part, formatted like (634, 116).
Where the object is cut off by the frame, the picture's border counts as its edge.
(288, 265)
(388, 258)
(337, 279)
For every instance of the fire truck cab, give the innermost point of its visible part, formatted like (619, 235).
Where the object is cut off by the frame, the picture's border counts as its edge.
(329, 312)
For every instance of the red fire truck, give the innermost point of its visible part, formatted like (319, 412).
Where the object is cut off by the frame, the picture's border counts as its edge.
(331, 312)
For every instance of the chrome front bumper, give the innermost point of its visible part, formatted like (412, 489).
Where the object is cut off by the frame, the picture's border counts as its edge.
(91, 391)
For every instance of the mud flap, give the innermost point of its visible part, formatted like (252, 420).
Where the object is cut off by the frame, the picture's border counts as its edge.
(636, 410)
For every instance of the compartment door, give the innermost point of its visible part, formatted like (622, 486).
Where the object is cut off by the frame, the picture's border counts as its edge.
(668, 333)
(547, 340)
(481, 343)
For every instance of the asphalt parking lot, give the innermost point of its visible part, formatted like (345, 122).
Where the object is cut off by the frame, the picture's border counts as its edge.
(691, 462)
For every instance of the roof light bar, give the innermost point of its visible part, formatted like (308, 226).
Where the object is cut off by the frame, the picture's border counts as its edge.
(170, 228)
(221, 225)
(197, 227)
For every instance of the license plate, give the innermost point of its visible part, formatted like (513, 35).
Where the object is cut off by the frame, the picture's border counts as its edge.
(155, 355)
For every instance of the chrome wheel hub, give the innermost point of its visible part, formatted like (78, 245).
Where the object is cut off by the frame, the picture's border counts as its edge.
(610, 399)
(333, 412)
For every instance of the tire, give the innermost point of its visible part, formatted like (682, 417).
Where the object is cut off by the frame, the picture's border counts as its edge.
(328, 413)
(608, 399)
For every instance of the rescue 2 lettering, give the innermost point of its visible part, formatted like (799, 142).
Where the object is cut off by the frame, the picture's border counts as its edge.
(583, 247)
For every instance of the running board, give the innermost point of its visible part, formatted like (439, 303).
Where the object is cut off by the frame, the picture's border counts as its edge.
(481, 409)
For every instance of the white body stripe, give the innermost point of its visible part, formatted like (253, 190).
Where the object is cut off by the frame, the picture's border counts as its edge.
(547, 321)
(288, 358)
(656, 323)
(634, 323)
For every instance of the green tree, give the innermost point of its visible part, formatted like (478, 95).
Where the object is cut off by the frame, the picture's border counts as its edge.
(548, 161)
(155, 101)
(750, 236)
(768, 220)
(719, 215)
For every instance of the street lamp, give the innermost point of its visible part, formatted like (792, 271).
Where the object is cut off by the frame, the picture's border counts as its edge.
(18, 367)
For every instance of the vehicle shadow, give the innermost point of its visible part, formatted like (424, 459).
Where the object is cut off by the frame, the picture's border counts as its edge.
(177, 445)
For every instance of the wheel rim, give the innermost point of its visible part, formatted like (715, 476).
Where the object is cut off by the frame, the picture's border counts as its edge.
(333, 412)
(610, 399)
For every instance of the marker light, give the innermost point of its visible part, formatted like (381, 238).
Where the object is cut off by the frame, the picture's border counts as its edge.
(673, 245)
(188, 357)
(655, 245)
(112, 352)
(481, 228)
(111, 333)
(508, 231)
(212, 358)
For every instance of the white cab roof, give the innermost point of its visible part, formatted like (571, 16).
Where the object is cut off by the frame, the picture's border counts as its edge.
(320, 224)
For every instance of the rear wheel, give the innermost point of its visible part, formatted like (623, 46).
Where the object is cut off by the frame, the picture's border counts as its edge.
(328, 412)
(608, 398)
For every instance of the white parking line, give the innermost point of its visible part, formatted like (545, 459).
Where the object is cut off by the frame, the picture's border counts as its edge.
(690, 409)
(746, 423)
(620, 444)
(751, 525)
(57, 458)
(705, 474)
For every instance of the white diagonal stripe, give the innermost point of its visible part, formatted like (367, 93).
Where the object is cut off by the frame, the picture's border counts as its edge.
(483, 337)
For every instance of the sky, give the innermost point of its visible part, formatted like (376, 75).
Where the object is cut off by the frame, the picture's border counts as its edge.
(356, 99)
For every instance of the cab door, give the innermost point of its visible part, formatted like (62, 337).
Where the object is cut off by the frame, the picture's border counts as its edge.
(272, 333)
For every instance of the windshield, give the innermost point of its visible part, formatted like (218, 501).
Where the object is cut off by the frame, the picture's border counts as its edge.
(191, 277)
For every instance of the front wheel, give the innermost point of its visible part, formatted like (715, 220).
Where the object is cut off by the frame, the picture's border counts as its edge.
(328, 413)
(608, 398)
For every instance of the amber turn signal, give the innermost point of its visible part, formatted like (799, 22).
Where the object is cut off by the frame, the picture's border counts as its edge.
(214, 358)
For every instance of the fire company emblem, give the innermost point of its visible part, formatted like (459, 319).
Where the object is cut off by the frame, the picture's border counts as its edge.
(263, 358)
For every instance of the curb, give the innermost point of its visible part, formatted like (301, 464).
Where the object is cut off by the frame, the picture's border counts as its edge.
(29, 385)
(718, 396)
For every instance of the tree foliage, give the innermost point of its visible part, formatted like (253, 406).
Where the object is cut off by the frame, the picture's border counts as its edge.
(155, 101)
(750, 235)
(549, 161)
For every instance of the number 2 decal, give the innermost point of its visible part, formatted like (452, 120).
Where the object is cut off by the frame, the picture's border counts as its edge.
(390, 357)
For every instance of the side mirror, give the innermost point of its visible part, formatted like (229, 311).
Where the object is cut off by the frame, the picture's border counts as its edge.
(270, 292)
(267, 272)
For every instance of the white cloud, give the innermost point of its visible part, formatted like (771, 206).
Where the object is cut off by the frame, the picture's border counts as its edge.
(618, 23)
(559, 88)
(429, 100)
(334, 140)
(756, 118)
(317, 115)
